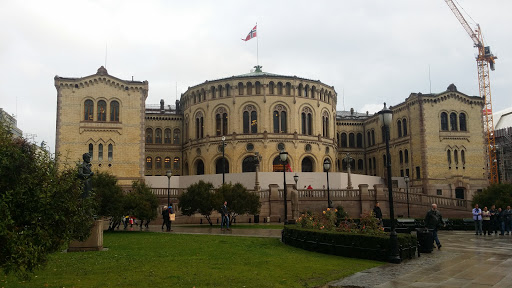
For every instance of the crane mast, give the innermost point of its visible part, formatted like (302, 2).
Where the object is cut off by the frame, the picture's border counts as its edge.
(484, 60)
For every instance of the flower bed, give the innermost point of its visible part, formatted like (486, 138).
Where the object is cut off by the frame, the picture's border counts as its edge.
(326, 233)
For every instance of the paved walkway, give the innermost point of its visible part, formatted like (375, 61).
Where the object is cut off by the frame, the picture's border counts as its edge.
(465, 260)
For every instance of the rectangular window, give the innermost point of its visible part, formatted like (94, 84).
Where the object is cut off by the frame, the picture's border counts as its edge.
(407, 172)
(110, 152)
(100, 152)
(418, 176)
(439, 192)
(402, 173)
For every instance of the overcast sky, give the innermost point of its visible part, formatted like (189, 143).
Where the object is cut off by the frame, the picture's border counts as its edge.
(371, 51)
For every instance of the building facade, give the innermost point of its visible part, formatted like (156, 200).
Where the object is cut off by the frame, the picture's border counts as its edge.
(241, 123)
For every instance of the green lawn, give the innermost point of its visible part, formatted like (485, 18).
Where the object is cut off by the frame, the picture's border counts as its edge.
(238, 226)
(146, 259)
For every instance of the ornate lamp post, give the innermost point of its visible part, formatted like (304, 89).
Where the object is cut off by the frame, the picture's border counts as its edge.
(296, 179)
(169, 174)
(284, 156)
(386, 118)
(406, 179)
(223, 159)
(327, 166)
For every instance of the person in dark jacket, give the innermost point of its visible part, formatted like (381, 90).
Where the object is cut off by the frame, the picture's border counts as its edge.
(494, 220)
(434, 220)
(501, 221)
(225, 216)
(377, 212)
(165, 217)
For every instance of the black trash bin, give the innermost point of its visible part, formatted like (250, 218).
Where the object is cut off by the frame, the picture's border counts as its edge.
(425, 240)
(256, 218)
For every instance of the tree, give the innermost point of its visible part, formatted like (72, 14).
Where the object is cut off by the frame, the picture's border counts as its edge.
(496, 194)
(240, 201)
(141, 202)
(40, 206)
(198, 199)
(109, 196)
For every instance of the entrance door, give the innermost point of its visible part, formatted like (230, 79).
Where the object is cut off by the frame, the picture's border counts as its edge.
(459, 193)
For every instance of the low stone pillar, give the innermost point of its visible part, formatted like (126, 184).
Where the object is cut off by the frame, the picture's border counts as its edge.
(295, 204)
(93, 243)
(365, 201)
(275, 203)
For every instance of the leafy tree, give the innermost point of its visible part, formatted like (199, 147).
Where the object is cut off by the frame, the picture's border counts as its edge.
(496, 194)
(40, 206)
(141, 202)
(198, 199)
(240, 201)
(109, 196)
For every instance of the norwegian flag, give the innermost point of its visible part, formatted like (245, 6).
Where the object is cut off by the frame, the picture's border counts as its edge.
(251, 34)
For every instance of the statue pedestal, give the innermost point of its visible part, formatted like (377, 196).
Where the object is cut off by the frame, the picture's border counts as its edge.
(93, 243)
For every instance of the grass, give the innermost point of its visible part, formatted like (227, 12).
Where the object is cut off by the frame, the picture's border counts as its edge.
(238, 226)
(146, 259)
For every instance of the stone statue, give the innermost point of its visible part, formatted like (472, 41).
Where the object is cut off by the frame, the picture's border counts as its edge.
(85, 173)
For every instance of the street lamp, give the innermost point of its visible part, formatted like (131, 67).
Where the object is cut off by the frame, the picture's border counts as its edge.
(169, 174)
(327, 166)
(386, 118)
(406, 179)
(296, 178)
(223, 159)
(283, 156)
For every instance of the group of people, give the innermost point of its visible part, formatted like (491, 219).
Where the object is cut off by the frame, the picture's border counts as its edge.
(167, 214)
(490, 221)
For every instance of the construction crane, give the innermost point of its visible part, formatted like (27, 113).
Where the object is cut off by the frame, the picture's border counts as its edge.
(484, 59)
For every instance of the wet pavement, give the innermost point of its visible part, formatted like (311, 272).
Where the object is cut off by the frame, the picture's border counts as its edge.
(465, 260)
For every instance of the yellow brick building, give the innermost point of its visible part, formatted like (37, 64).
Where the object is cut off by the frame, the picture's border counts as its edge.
(437, 139)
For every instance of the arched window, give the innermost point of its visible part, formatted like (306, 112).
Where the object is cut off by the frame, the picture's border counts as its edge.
(444, 121)
(456, 157)
(176, 162)
(167, 163)
(258, 88)
(220, 91)
(158, 163)
(221, 121)
(249, 88)
(401, 156)
(102, 110)
(199, 125)
(449, 157)
(149, 136)
(307, 164)
(404, 125)
(351, 140)
(250, 119)
(306, 91)
(277, 165)
(313, 90)
(149, 163)
(240, 88)
(199, 167)
(158, 136)
(325, 124)
(343, 140)
(279, 88)
(100, 152)
(453, 121)
(218, 166)
(359, 140)
(463, 157)
(344, 166)
(360, 163)
(373, 137)
(462, 122)
(406, 156)
(279, 119)
(228, 90)
(338, 139)
(204, 94)
(300, 89)
(307, 121)
(167, 136)
(369, 139)
(288, 88)
(176, 138)
(369, 165)
(114, 111)
(212, 91)
(399, 128)
(271, 88)
(110, 152)
(88, 110)
(248, 164)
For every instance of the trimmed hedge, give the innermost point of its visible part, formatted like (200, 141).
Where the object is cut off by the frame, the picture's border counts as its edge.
(373, 247)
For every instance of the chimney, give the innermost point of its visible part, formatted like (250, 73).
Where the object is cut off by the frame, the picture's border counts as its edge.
(162, 108)
(352, 111)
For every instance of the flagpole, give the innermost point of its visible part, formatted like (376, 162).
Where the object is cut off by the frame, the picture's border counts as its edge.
(257, 44)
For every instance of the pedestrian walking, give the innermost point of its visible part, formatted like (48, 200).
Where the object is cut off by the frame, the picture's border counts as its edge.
(225, 216)
(434, 221)
(170, 217)
(508, 219)
(165, 217)
(477, 217)
(501, 221)
(486, 221)
(377, 212)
